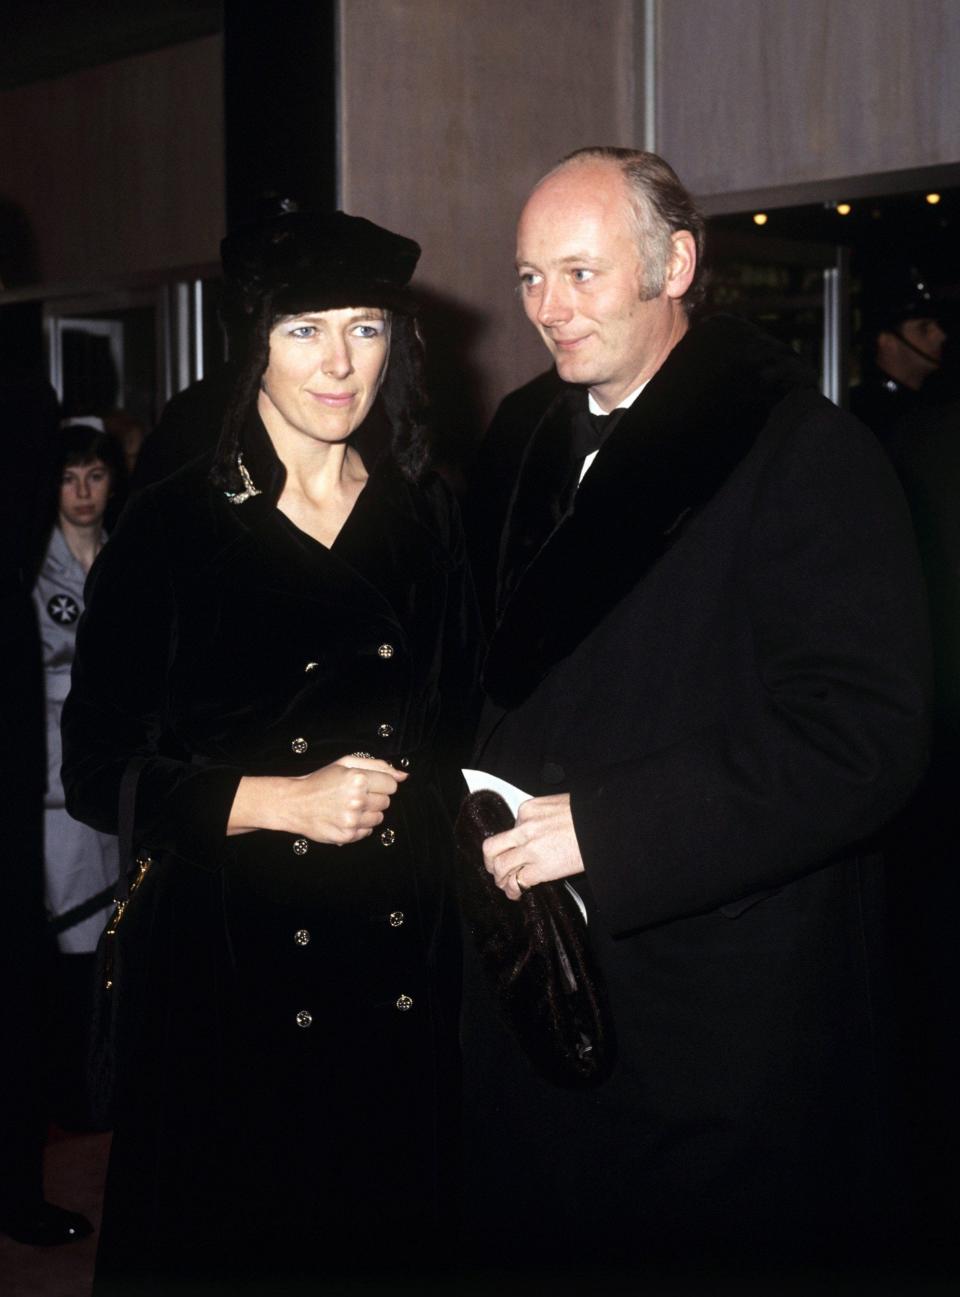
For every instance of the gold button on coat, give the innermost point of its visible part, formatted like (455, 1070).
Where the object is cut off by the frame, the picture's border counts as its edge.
(404, 1002)
(299, 746)
(302, 937)
(300, 846)
(304, 1018)
(385, 730)
(385, 651)
(388, 837)
(396, 919)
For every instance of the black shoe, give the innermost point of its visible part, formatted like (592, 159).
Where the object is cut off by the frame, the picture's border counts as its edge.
(46, 1225)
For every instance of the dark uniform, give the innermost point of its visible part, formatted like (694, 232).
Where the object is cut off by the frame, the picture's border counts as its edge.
(882, 404)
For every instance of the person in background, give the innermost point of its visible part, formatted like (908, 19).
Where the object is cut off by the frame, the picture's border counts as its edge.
(903, 340)
(28, 417)
(80, 864)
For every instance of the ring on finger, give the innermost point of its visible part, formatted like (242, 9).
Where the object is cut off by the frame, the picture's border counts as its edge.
(516, 878)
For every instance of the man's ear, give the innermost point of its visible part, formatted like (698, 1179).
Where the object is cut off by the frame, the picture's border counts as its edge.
(682, 264)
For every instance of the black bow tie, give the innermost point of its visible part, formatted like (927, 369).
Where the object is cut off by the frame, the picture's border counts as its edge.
(591, 430)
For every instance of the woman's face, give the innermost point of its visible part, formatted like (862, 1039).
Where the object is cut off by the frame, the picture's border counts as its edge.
(84, 492)
(324, 372)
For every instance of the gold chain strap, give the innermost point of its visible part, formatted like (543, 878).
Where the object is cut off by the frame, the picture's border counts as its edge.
(143, 864)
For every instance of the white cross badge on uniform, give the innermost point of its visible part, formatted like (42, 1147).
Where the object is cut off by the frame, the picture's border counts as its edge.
(63, 609)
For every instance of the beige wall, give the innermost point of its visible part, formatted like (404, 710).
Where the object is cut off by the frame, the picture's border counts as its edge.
(757, 94)
(451, 109)
(119, 168)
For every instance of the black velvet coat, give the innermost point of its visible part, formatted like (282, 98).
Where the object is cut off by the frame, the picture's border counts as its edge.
(291, 1081)
(719, 651)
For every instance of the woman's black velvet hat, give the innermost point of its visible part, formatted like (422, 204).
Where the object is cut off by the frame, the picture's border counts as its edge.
(307, 261)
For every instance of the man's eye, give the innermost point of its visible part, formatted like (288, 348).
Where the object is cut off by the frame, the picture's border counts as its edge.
(529, 280)
(581, 276)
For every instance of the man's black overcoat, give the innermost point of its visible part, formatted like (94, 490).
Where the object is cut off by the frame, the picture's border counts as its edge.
(719, 651)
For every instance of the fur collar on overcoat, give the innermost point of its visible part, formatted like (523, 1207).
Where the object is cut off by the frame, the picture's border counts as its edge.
(561, 571)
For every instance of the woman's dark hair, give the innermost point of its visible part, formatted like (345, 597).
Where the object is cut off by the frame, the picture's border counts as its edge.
(402, 398)
(80, 444)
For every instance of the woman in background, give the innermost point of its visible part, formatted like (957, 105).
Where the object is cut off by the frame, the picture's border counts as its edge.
(277, 669)
(80, 863)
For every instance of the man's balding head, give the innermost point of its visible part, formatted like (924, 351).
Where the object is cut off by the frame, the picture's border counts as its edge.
(604, 277)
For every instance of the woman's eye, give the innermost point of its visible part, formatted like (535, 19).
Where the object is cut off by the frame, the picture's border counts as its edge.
(368, 330)
(529, 280)
(303, 331)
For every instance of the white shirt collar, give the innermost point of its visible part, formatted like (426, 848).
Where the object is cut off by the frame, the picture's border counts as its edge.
(595, 409)
(625, 404)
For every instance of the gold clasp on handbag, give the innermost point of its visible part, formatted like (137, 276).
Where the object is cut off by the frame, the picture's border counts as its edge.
(143, 863)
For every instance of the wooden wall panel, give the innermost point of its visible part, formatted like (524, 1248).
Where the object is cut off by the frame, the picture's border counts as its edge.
(119, 168)
(757, 94)
(451, 110)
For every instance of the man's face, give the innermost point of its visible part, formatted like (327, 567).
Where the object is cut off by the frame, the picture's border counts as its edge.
(927, 336)
(911, 352)
(583, 283)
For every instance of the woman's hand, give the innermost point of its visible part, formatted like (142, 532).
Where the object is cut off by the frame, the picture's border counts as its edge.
(337, 804)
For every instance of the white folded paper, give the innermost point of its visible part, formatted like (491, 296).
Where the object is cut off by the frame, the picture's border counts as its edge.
(480, 779)
(514, 797)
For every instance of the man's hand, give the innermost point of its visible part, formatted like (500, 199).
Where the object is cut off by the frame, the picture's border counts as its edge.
(541, 846)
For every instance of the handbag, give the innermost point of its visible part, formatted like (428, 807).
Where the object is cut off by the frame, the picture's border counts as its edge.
(113, 984)
(536, 958)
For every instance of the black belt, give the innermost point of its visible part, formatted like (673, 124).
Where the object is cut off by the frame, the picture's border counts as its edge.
(77, 913)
